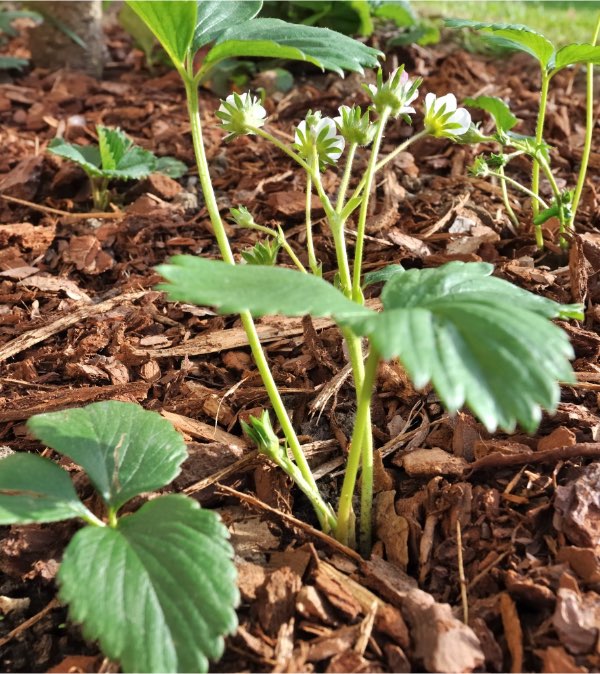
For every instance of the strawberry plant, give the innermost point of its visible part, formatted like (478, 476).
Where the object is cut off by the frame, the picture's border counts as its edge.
(162, 591)
(551, 61)
(458, 328)
(116, 157)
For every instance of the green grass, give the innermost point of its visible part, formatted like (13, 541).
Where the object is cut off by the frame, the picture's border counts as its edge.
(562, 22)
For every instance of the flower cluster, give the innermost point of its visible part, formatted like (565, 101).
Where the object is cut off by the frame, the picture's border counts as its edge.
(239, 113)
(317, 134)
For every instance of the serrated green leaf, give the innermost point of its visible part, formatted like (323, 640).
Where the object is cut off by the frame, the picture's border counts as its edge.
(273, 38)
(173, 22)
(124, 449)
(513, 36)
(113, 144)
(171, 167)
(498, 109)
(478, 339)
(576, 53)
(34, 489)
(215, 16)
(260, 290)
(163, 591)
(87, 156)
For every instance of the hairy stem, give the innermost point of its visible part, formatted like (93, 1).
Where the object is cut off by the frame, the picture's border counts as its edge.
(509, 209)
(539, 133)
(343, 188)
(327, 522)
(356, 452)
(589, 128)
(310, 247)
(357, 295)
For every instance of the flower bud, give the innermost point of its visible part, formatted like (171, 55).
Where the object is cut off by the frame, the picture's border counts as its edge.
(354, 126)
(395, 94)
(261, 432)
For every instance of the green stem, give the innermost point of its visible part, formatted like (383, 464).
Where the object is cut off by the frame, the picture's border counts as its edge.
(347, 211)
(90, 518)
(356, 452)
(589, 127)
(310, 247)
(280, 236)
(357, 295)
(539, 132)
(99, 192)
(505, 199)
(112, 518)
(517, 185)
(557, 197)
(346, 177)
(248, 324)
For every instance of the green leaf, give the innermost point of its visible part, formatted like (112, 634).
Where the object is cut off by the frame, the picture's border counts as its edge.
(478, 339)
(173, 22)
(34, 489)
(87, 156)
(498, 109)
(260, 290)
(398, 11)
(273, 38)
(384, 274)
(215, 16)
(124, 449)
(9, 62)
(513, 36)
(171, 167)
(576, 53)
(162, 591)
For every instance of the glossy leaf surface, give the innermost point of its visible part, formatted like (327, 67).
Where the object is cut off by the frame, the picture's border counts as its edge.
(173, 22)
(576, 53)
(257, 289)
(273, 38)
(216, 16)
(167, 592)
(124, 449)
(34, 489)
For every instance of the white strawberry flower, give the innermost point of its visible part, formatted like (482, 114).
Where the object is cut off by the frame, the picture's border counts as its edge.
(443, 119)
(316, 133)
(239, 112)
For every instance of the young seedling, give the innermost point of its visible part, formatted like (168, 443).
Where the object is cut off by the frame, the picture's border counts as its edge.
(155, 587)
(115, 157)
(456, 327)
(551, 60)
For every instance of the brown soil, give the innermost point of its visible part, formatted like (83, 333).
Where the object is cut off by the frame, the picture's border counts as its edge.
(80, 321)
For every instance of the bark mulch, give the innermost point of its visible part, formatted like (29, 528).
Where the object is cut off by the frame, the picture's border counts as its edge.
(80, 322)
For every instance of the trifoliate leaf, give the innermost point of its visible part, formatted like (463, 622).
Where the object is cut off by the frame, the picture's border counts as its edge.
(216, 16)
(124, 449)
(273, 38)
(158, 591)
(513, 36)
(260, 290)
(478, 339)
(172, 21)
(34, 489)
(498, 109)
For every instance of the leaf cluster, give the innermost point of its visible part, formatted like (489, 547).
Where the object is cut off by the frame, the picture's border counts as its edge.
(163, 591)
(116, 157)
(477, 339)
